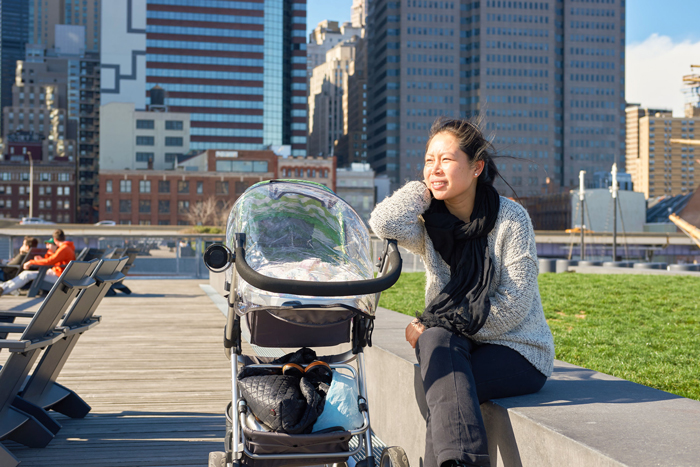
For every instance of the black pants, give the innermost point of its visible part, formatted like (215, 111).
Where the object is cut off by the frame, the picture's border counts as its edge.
(458, 375)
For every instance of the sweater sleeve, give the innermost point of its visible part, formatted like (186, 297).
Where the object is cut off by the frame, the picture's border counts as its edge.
(62, 254)
(397, 217)
(513, 298)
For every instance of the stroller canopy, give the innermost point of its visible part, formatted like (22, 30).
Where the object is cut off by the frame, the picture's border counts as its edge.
(303, 231)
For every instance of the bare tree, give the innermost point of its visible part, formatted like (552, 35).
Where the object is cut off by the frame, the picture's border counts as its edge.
(210, 212)
(201, 212)
(223, 209)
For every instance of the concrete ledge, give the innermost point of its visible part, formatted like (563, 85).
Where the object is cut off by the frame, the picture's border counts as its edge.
(580, 417)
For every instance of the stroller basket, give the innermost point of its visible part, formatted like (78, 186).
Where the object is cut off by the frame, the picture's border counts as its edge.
(289, 450)
(299, 327)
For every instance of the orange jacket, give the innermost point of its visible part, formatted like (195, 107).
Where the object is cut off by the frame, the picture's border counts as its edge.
(58, 259)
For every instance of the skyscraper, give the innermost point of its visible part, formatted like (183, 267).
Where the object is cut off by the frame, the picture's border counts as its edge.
(45, 15)
(239, 68)
(13, 37)
(328, 93)
(547, 77)
(657, 166)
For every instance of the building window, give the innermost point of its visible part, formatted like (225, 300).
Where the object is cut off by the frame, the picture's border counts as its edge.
(125, 205)
(164, 186)
(171, 157)
(173, 141)
(124, 186)
(66, 190)
(108, 186)
(144, 186)
(163, 207)
(222, 188)
(183, 207)
(173, 125)
(200, 188)
(145, 140)
(145, 206)
(144, 156)
(183, 186)
(108, 205)
(241, 187)
(145, 124)
(241, 166)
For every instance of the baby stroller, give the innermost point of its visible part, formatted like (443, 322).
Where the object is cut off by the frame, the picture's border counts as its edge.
(302, 277)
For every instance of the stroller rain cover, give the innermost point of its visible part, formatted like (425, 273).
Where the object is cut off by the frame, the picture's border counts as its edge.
(302, 231)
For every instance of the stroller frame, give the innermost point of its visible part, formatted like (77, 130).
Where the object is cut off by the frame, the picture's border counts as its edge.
(218, 258)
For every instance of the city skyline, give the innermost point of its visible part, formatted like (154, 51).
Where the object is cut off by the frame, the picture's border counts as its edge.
(669, 35)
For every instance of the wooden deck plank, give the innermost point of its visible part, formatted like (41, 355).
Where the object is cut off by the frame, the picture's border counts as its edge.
(156, 376)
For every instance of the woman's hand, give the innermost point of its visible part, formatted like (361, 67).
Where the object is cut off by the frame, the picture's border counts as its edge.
(413, 332)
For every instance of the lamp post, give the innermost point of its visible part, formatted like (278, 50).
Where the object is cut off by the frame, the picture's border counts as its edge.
(581, 197)
(31, 184)
(614, 189)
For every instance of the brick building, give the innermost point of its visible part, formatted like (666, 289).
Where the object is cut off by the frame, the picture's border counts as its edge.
(173, 197)
(54, 186)
(314, 169)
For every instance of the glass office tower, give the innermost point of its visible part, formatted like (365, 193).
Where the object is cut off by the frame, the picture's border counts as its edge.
(547, 77)
(238, 67)
(14, 20)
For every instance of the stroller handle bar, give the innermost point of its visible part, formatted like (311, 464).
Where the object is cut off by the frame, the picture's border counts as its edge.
(323, 289)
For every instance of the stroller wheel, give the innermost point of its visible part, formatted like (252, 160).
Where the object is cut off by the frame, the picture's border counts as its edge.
(217, 459)
(393, 456)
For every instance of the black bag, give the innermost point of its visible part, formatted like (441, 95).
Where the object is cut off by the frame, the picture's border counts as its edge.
(285, 404)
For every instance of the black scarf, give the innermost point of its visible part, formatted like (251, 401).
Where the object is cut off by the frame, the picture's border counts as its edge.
(463, 305)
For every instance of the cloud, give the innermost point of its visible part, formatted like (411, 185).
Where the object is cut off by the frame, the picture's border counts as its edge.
(655, 70)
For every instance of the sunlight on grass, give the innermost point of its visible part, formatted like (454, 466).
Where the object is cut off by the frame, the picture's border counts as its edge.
(640, 328)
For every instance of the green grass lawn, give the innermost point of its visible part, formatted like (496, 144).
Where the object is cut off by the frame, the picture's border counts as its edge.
(642, 328)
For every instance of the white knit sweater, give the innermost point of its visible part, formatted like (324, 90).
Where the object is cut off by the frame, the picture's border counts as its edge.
(516, 319)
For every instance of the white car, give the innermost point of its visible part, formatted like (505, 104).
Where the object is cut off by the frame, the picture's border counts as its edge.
(34, 220)
(106, 223)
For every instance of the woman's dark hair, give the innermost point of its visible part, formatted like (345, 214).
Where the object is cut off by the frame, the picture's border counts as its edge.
(471, 141)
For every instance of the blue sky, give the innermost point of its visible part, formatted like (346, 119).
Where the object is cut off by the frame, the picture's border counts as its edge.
(334, 10)
(677, 19)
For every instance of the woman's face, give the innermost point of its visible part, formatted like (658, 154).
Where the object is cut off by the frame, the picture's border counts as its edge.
(448, 172)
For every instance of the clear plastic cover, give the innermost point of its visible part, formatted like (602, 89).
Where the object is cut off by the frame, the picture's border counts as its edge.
(301, 231)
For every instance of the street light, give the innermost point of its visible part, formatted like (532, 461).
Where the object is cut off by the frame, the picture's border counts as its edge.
(31, 184)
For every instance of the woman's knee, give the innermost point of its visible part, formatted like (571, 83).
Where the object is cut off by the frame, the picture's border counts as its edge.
(431, 339)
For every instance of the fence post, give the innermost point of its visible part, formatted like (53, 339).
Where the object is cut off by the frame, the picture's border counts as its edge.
(198, 256)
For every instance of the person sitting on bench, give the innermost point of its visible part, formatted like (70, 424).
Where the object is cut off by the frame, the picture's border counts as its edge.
(64, 254)
(11, 273)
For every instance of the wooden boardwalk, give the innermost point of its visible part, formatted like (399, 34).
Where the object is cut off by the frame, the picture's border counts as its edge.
(156, 376)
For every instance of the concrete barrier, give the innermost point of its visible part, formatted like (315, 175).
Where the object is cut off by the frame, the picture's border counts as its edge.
(650, 265)
(580, 417)
(589, 263)
(618, 264)
(683, 267)
(548, 265)
(564, 264)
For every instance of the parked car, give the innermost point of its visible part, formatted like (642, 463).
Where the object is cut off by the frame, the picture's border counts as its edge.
(34, 220)
(106, 223)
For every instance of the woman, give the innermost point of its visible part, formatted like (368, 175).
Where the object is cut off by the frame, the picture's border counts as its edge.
(483, 334)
